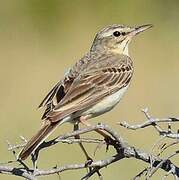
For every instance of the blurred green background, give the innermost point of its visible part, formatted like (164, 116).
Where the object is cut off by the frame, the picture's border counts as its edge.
(40, 39)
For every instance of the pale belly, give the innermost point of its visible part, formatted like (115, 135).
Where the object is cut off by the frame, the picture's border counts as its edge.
(106, 104)
(103, 106)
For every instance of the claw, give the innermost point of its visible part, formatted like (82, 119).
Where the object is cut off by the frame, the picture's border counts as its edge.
(110, 141)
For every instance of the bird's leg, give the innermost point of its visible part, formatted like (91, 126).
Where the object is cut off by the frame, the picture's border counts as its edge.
(89, 159)
(107, 138)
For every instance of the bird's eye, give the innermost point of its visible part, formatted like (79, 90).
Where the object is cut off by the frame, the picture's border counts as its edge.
(116, 33)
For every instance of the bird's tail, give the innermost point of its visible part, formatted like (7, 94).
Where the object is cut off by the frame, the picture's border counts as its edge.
(37, 139)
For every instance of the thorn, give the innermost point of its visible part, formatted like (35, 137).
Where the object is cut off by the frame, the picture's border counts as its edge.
(99, 175)
(174, 119)
(55, 167)
(144, 110)
(23, 139)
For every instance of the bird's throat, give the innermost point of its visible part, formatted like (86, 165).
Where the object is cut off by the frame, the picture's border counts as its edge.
(121, 50)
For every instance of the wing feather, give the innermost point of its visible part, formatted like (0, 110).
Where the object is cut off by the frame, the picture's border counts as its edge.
(50, 95)
(90, 88)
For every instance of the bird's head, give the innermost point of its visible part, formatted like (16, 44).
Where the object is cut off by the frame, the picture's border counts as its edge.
(116, 38)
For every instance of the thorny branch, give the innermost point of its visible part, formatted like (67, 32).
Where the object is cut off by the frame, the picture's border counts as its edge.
(123, 150)
(151, 121)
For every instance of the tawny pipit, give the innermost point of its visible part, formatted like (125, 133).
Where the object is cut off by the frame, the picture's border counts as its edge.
(93, 86)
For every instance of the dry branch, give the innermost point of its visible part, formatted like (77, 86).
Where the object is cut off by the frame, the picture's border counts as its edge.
(123, 150)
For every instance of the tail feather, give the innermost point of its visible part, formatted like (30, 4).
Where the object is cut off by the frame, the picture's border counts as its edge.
(36, 140)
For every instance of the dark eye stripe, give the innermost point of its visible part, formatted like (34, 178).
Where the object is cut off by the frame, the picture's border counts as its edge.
(117, 33)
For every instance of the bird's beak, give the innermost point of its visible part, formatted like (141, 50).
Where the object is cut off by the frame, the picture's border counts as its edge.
(139, 29)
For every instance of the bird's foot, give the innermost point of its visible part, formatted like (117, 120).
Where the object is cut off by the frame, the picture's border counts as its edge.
(109, 141)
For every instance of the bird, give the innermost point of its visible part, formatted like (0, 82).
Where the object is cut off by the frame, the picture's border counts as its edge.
(92, 87)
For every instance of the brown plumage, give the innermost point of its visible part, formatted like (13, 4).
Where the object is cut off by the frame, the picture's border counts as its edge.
(36, 140)
(103, 72)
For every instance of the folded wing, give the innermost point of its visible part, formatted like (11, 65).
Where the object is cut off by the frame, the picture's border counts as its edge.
(89, 88)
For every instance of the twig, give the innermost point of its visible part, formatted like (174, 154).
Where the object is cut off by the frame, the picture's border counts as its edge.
(67, 141)
(151, 121)
(17, 172)
(123, 150)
